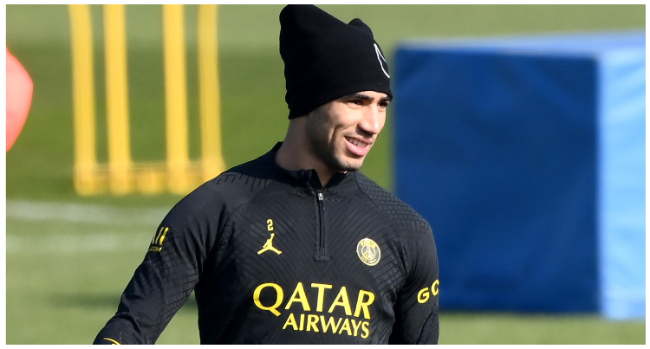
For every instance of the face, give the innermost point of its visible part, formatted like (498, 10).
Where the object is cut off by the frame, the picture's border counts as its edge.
(341, 132)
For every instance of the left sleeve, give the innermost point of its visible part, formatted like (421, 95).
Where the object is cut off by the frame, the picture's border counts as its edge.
(416, 308)
(170, 270)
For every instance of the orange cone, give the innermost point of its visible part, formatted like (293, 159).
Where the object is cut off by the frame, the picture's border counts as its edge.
(19, 98)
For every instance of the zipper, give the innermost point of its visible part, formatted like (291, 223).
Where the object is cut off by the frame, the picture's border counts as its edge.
(321, 251)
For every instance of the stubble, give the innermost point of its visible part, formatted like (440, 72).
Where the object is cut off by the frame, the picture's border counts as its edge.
(317, 134)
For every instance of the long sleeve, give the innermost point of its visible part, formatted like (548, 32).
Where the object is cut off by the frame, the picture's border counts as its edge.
(416, 309)
(170, 271)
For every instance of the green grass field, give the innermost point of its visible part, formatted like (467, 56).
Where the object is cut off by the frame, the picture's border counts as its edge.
(68, 258)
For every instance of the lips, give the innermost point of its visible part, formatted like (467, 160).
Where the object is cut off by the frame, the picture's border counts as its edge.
(357, 147)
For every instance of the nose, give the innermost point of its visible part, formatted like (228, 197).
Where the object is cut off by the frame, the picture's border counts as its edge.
(373, 120)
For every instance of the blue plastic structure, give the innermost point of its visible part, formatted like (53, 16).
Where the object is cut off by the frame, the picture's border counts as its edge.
(527, 156)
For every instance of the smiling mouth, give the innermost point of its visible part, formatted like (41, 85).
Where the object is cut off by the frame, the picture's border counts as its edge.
(358, 143)
(357, 148)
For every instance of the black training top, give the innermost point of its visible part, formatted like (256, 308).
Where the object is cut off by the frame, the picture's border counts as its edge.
(273, 257)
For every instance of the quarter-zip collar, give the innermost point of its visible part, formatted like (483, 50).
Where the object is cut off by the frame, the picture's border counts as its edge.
(307, 177)
(307, 181)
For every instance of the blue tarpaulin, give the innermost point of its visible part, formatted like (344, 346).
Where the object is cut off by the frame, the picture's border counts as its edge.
(527, 156)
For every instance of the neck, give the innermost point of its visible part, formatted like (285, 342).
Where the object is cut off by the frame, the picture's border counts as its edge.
(295, 153)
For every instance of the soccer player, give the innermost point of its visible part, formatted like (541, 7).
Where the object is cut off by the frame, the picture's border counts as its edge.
(297, 246)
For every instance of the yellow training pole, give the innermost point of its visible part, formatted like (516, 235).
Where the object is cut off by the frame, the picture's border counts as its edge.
(209, 94)
(176, 99)
(117, 99)
(83, 100)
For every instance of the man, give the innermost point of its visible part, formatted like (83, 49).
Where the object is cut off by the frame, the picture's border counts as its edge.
(297, 246)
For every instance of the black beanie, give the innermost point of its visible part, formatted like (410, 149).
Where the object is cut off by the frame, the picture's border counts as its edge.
(325, 59)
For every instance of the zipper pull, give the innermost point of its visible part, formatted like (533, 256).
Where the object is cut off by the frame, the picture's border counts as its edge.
(320, 196)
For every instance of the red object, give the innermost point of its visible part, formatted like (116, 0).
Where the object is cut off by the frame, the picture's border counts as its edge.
(19, 98)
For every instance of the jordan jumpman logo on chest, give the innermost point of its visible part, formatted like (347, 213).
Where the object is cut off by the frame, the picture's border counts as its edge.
(268, 246)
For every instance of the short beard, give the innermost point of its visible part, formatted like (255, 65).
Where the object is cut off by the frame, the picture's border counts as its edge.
(317, 126)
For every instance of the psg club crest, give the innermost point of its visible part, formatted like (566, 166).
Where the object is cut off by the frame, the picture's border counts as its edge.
(368, 251)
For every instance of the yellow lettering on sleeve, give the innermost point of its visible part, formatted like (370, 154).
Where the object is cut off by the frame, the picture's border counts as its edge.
(423, 295)
(435, 287)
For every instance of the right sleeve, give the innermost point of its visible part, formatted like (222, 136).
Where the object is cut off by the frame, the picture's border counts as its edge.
(170, 271)
(416, 308)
